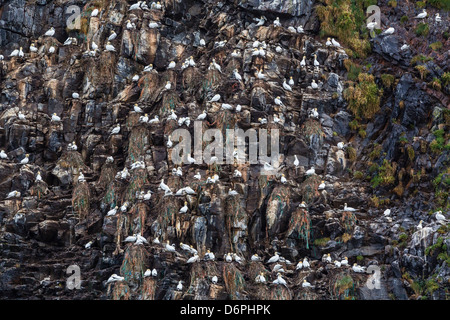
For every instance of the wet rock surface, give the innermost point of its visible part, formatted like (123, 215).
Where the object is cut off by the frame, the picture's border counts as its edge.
(60, 115)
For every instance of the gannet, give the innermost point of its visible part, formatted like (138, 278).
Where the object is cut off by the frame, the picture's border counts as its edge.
(291, 81)
(50, 32)
(136, 108)
(170, 248)
(209, 255)
(235, 53)
(283, 179)
(116, 129)
(17, 53)
(130, 25)
(156, 241)
(215, 98)
(132, 238)
(260, 21)
(147, 273)
(55, 118)
(81, 177)
(387, 212)
(306, 263)
(113, 211)
(168, 85)
(439, 216)
(358, 269)
(262, 120)
(135, 78)
(314, 84)
(286, 86)
(299, 265)
(236, 75)
(278, 49)
(52, 49)
(124, 207)
(310, 171)
(260, 75)
(1, 57)
(303, 62)
(280, 280)
(422, 15)
(13, 194)
(75, 95)
(114, 278)
(190, 159)
(21, 116)
(261, 52)
(124, 174)
(340, 145)
(300, 29)
(278, 101)
(306, 284)
(202, 42)
(154, 272)
(437, 18)
(316, 63)
(321, 185)
(348, 208)
(198, 176)
(274, 258)
(228, 257)
(109, 47)
(277, 268)
(135, 6)
(143, 118)
(277, 22)
(335, 43)
(296, 161)
(216, 66)
(237, 174)
(202, 116)
(94, 46)
(328, 258)
(227, 106)
(88, 245)
(179, 286)
(3, 155)
(328, 43)
(25, 160)
(171, 65)
(156, 5)
(371, 25)
(237, 258)
(191, 61)
(262, 279)
(388, 31)
(148, 68)
(232, 192)
(220, 44)
(255, 257)
(214, 279)
(292, 29)
(154, 120)
(153, 25)
(33, 48)
(184, 209)
(192, 259)
(404, 47)
(112, 36)
(68, 41)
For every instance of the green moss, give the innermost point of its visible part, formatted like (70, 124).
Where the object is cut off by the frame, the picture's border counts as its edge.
(440, 4)
(420, 58)
(392, 4)
(321, 242)
(422, 29)
(445, 80)
(404, 19)
(422, 70)
(359, 259)
(364, 98)
(358, 175)
(388, 80)
(437, 145)
(353, 70)
(362, 133)
(436, 45)
(351, 153)
(385, 175)
(354, 125)
(421, 4)
(411, 153)
(376, 152)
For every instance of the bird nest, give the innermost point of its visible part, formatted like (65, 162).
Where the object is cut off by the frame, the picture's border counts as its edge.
(149, 288)
(310, 128)
(114, 194)
(121, 291)
(170, 101)
(342, 287)
(81, 199)
(300, 226)
(133, 264)
(309, 188)
(73, 161)
(279, 292)
(348, 219)
(138, 214)
(137, 182)
(234, 281)
(106, 176)
(138, 141)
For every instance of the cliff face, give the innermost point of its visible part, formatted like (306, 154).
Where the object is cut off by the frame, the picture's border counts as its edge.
(388, 106)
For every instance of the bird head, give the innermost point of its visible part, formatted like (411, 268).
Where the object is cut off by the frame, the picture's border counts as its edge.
(323, 181)
(185, 203)
(27, 155)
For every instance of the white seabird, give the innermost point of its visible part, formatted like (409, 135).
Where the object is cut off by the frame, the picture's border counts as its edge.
(255, 257)
(421, 15)
(278, 101)
(277, 22)
(321, 185)
(25, 160)
(50, 32)
(3, 155)
(306, 284)
(184, 209)
(192, 259)
(198, 176)
(310, 171)
(358, 269)
(286, 86)
(214, 279)
(169, 247)
(215, 98)
(13, 194)
(314, 84)
(115, 278)
(179, 286)
(116, 129)
(113, 211)
(348, 208)
(306, 263)
(280, 280)
(110, 47)
(112, 36)
(274, 258)
(388, 31)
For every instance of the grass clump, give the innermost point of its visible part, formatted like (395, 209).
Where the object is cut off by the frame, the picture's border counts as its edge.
(422, 29)
(364, 97)
(436, 45)
(353, 70)
(385, 175)
(387, 79)
(321, 242)
(420, 58)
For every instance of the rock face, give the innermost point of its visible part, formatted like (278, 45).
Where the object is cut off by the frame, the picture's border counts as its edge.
(90, 144)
